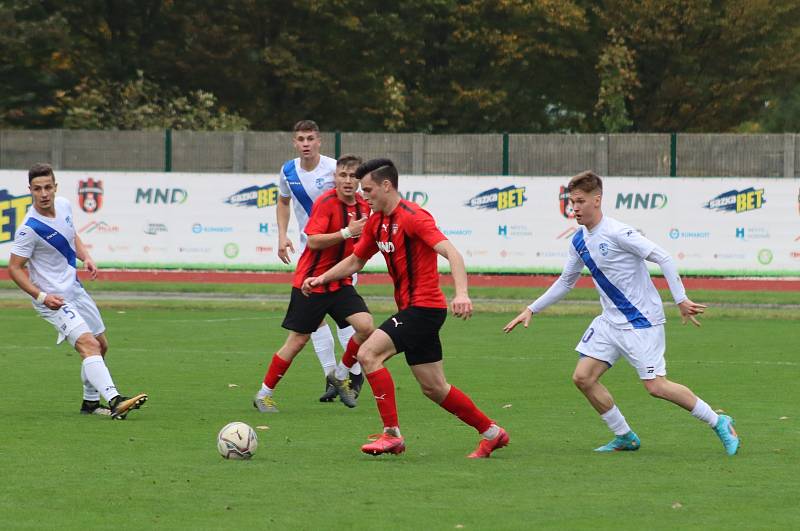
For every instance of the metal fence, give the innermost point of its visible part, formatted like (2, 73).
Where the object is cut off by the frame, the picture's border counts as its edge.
(684, 155)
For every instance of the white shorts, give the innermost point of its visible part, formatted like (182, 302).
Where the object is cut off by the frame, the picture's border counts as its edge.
(78, 316)
(642, 347)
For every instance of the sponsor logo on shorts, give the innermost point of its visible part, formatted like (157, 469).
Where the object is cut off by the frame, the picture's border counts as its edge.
(737, 201)
(12, 211)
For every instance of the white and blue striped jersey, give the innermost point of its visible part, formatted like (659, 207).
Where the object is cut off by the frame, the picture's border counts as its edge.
(305, 187)
(615, 255)
(49, 246)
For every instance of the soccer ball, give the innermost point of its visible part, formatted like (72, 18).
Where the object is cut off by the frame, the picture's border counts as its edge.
(237, 440)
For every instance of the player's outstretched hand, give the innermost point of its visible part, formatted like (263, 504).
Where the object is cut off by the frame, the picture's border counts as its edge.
(462, 306)
(357, 226)
(308, 284)
(524, 318)
(689, 309)
(54, 302)
(91, 268)
(284, 246)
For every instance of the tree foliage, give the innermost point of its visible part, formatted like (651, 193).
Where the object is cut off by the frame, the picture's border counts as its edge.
(417, 65)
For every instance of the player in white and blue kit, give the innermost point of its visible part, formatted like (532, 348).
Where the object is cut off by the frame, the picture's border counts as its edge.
(632, 323)
(47, 243)
(304, 179)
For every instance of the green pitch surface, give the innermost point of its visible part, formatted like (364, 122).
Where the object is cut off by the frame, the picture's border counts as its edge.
(160, 468)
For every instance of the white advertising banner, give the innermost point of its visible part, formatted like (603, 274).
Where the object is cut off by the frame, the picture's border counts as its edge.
(502, 224)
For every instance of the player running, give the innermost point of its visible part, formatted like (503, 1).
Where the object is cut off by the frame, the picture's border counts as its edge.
(47, 243)
(337, 220)
(304, 179)
(407, 237)
(632, 322)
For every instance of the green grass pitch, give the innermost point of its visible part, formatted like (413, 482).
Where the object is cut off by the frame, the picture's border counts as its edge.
(202, 362)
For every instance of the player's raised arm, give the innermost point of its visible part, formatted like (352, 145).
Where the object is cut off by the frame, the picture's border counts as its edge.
(461, 305)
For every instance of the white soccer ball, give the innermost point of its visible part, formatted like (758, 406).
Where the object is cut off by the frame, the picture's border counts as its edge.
(237, 440)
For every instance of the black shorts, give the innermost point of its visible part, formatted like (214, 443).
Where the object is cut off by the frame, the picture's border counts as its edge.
(415, 331)
(305, 314)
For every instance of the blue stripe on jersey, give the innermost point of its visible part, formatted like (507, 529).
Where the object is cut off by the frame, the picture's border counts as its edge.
(54, 238)
(296, 186)
(619, 299)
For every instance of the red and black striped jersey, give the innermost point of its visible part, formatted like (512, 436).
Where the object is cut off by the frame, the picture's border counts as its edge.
(406, 238)
(329, 214)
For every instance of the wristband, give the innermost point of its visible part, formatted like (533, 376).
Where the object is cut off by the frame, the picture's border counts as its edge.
(345, 232)
(41, 297)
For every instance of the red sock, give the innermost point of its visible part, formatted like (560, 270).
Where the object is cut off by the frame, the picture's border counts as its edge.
(383, 389)
(349, 357)
(462, 407)
(277, 368)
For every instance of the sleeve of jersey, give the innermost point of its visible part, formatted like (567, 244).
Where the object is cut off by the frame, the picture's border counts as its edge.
(366, 247)
(562, 285)
(632, 241)
(318, 221)
(670, 270)
(24, 242)
(283, 186)
(424, 227)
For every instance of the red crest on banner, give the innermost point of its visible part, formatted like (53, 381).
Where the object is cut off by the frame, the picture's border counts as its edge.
(90, 195)
(563, 203)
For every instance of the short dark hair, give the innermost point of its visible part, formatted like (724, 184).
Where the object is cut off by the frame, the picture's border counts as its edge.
(586, 181)
(306, 125)
(380, 169)
(40, 169)
(349, 160)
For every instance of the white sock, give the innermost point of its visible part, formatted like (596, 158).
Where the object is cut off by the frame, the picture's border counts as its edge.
(615, 421)
(322, 339)
(704, 412)
(342, 372)
(491, 433)
(264, 391)
(94, 367)
(392, 430)
(89, 392)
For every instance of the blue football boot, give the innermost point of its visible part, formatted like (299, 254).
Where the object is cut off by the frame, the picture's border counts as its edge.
(622, 443)
(726, 433)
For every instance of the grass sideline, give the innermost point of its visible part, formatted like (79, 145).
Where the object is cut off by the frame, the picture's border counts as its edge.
(160, 469)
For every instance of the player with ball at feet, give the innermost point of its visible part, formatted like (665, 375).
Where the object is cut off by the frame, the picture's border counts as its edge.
(632, 323)
(407, 237)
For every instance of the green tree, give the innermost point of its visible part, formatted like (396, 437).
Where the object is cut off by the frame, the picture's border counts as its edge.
(142, 104)
(706, 65)
(618, 78)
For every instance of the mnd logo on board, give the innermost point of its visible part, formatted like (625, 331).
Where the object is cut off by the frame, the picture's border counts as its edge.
(737, 201)
(498, 199)
(255, 196)
(12, 211)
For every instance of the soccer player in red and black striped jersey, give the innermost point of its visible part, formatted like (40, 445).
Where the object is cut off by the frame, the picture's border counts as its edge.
(337, 220)
(407, 237)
